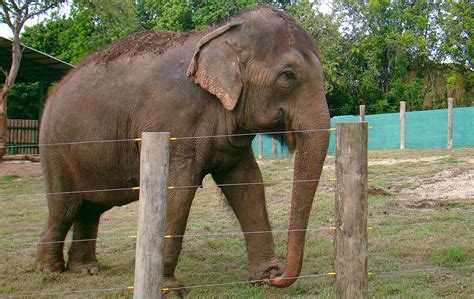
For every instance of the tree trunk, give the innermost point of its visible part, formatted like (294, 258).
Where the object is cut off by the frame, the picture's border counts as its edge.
(9, 81)
(3, 121)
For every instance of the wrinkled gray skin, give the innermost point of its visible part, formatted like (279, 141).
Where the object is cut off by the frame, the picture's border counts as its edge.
(259, 72)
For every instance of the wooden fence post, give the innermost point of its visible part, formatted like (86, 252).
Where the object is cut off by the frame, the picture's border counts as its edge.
(275, 148)
(450, 122)
(351, 210)
(154, 163)
(403, 106)
(260, 146)
(362, 112)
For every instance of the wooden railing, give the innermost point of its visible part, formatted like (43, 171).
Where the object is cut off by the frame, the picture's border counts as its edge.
(22, 132)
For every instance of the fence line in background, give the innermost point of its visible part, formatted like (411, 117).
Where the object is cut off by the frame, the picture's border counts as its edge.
(172, 139)
(24, 141)
(177, 138)
(450, 122)
(403, 107)
(208, 136)
(362, 113)
(22, 132)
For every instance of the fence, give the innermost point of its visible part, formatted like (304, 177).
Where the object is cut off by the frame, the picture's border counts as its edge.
(22, 132)
(424, 129)
(347, 181)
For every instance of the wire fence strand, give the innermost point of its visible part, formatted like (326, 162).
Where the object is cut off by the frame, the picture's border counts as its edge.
(173, 138)
(180, 187)
(5, 243)
(166, 236)
(209, 136)
(235, 283)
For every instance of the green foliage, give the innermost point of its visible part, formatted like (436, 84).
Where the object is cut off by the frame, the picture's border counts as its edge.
(374, 52)
(90, 26)
(23, 101)
(213, 11)
(182, 15)
(457, 23)
(175, 15)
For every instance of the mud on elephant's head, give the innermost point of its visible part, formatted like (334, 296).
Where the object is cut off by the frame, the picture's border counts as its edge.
(265, 70)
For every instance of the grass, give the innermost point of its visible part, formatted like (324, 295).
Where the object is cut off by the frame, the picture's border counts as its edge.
(10, 177)
(404, 240)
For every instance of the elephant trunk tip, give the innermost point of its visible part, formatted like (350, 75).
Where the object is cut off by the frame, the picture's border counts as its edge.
(282, 281)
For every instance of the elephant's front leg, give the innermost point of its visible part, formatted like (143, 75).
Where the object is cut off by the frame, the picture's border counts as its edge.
(177, 211)
(248, 203)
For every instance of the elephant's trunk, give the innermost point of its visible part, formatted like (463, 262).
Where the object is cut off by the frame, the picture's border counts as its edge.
(311, 150)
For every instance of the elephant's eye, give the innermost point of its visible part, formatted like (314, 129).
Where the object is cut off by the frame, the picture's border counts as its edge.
(286, 79)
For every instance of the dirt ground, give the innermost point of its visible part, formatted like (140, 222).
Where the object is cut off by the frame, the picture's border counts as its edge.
(447, 184)
(23, 169)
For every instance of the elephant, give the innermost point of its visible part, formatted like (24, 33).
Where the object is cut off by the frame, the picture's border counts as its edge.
(258, 72)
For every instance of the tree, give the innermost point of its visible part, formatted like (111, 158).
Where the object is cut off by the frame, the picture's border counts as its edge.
(44, 36)
(20, 103)
(89, 26)
(182, 15)
(15, 13)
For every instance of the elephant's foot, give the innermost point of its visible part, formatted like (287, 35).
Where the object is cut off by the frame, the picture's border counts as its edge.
(88, 267)
(265, 272)
(173, 285)
(50, 267)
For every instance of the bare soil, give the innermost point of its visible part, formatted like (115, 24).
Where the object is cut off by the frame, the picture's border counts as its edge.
(22, 169)
(448, 184)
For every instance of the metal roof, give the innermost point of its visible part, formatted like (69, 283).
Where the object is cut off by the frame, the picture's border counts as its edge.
(35, 65)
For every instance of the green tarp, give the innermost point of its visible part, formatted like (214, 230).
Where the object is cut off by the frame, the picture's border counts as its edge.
(424, 129)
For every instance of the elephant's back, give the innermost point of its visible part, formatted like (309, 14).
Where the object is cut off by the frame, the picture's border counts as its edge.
(118, 81)
(145, 41)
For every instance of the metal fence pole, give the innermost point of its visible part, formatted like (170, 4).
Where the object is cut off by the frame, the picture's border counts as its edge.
(351, 210)
(154, 163)
(260, 146)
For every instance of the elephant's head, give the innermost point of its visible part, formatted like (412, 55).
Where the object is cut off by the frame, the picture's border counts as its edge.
(265, 70)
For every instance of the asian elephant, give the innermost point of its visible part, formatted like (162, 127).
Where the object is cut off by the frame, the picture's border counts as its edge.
(259, 72)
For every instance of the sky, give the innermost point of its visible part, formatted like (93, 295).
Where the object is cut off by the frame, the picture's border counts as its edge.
(6, 32)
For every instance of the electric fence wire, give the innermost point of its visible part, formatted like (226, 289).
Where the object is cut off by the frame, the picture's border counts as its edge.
(234, 283)
(208, 136)
(4, 243)
(211, 234)
(178, 187)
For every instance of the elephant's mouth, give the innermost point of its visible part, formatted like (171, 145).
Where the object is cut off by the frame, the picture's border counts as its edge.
(287, 139)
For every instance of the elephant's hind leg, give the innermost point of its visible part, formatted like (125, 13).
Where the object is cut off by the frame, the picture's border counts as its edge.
(50, 249)
(82, 253)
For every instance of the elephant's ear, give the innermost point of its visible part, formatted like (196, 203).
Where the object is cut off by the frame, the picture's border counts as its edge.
(215, 66)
